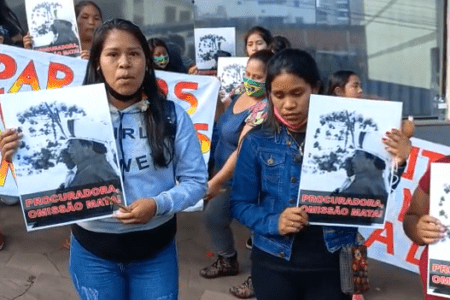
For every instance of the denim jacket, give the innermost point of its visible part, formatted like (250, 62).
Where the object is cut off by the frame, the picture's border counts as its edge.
(266, 181)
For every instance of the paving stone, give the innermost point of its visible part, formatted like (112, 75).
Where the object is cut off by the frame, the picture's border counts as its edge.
(5, 256)
(60, 260)
(48, 287)
(211, 295)
(13, 282)
(35, 263)
(27, 297)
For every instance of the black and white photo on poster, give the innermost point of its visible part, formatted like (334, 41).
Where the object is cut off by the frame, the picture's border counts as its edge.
(67, 164)
(231, 71)
(53, 27)
(438, 279)
(347, 172)
(212, 43)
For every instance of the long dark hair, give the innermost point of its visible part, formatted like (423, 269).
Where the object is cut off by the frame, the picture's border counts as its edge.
(262, 55)
(156, 123)
(338, 79)
(279, 43)
(289, 61)
(82, 4)
(262, 32)
(175, 62)
(7, 17)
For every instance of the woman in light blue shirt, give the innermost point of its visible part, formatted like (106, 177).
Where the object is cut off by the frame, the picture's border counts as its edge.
(133, 256)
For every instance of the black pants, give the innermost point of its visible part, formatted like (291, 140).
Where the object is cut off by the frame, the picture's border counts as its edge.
(271, 283)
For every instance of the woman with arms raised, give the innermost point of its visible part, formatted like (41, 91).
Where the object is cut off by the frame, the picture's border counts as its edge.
(89, 18)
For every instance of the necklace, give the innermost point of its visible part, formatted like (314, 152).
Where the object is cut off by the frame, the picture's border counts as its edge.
(300, 146)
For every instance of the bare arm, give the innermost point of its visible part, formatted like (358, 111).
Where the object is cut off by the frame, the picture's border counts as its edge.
(9, 143)
(221, 105)
(226, 172)
(420, 227)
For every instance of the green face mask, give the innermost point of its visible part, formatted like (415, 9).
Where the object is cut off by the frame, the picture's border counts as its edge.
(161, 61)
(254, 88)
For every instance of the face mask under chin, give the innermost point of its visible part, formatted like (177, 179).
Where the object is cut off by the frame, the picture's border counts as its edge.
(120, 97)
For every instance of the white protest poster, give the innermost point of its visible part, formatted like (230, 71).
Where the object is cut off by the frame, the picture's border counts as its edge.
(212, 43)
(198, 96)
(24, 70)
(438, 279)
(53, 26)
(346, 171)
(231, 71)
(67, 164)
(390, 244)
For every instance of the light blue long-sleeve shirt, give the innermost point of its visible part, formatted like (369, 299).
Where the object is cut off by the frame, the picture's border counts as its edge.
(182, 184)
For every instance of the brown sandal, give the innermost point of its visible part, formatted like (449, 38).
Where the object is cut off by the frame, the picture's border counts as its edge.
(245, 290)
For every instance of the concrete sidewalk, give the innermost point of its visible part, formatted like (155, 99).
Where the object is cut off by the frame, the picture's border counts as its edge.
(34, 265)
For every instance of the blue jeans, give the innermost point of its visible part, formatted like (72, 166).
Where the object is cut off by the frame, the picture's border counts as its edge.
(218, 220)
(95, 278)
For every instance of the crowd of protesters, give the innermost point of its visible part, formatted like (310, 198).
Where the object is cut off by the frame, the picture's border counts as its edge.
(259, 125)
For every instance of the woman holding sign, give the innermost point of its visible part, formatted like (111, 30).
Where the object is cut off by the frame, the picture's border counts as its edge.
(89, 17)
(290, 259)
(345, 83)
(245, 111)
(256, 39)
(422, 228)
(133, 256)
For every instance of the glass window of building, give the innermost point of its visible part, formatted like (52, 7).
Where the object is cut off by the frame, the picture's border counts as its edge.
(397, 46)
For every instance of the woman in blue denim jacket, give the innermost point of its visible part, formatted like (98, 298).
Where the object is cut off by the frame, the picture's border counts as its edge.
(290, 259)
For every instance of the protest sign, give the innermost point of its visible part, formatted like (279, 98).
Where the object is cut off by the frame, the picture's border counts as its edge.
(438, 279)
(53, 26)
(198, 96)
(67, 163)
(212, 43)
(344, 149)
(25, 70)
(390, 244)
(231, 71)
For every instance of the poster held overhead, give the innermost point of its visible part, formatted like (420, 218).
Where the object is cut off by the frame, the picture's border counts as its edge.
(53, 26)
(438, 279)
(343, 148)
(67, 163)
(212, 43)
